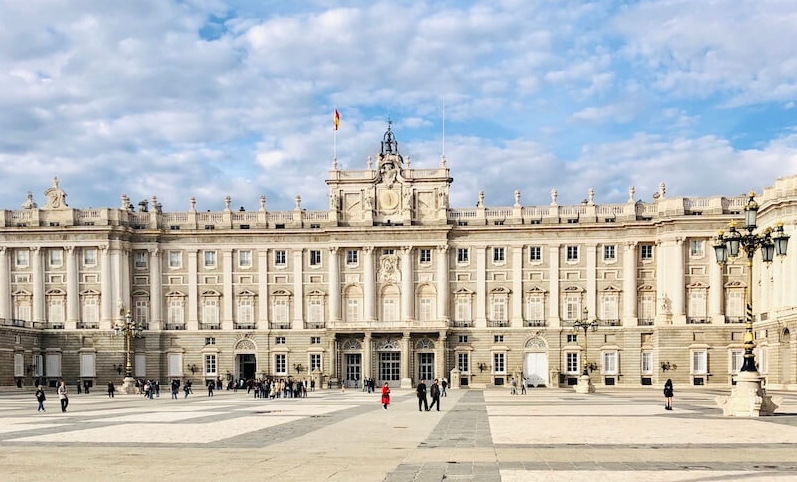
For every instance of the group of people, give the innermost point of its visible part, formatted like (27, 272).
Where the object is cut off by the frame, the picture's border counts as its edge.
(436, 391)
(63, 396)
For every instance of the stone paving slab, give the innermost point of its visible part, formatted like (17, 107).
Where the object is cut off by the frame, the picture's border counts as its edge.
(479, 435)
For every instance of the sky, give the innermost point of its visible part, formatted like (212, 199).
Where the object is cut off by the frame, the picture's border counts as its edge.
(215, 98)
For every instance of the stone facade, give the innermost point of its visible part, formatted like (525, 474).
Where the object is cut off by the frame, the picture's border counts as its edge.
(391, 282)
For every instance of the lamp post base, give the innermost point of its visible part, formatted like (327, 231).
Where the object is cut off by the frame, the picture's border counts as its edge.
(584, 385)
(748, 398)
(128, 386)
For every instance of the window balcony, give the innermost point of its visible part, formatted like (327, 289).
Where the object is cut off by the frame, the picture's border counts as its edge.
(614, 322)
(690, 320)
(645, 322)
(314, 325)
(497, 323)
(175, 326)
(534, 323)
(462, 324)
(279, 325)
(55, 326)
(243, 326)
(210, 326)
(87, 326)
(734, 319)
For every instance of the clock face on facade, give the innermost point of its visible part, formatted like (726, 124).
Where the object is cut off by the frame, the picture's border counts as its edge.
(388, 200)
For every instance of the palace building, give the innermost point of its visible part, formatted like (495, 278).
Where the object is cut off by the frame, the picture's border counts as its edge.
(392, 283)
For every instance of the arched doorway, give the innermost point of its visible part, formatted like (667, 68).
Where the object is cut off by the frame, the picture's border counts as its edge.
(352, 362)
(388, 351)
(424, 350)
(535, 362)
(245, 359)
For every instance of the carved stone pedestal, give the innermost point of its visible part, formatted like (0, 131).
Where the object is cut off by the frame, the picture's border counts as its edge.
(128, 386)
(584, 385)
(748, 398)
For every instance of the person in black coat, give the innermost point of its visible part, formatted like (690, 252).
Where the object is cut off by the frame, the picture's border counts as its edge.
(420, 390)
(435, 392)
(668, 392)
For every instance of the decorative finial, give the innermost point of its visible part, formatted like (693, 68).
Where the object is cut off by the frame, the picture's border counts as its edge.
(517, 198)
(631, 191)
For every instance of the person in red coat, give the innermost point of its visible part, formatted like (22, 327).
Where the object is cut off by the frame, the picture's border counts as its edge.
(385, 395)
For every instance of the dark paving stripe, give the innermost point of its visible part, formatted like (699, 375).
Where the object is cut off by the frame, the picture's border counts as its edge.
(466, 425)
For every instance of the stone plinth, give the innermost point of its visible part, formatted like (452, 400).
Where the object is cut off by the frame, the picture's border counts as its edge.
(584, 385)
(748, 398)
(128, 386)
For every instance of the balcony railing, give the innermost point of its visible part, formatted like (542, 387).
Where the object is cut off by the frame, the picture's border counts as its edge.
(279, 326)
(645, 322)
(497, 323)
(210, 326)
(614, 322)
(243, 326)
(314, 325)
(462, 324)
(175, 326)
(55, 326)
(734, 319)
(697, 321)
(534, 323)
(87, 326)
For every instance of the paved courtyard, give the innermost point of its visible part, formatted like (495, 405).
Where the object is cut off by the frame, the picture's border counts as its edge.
(479, 435)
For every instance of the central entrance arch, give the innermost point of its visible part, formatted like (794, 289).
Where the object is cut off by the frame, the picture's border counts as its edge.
(245, 359)
(535, 362)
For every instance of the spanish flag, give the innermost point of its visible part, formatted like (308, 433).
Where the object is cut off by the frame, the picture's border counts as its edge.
(337, 119)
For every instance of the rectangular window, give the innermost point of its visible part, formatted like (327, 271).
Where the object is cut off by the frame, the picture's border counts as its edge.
(463, 255)
(89, 257)
(697, 304)
(140, 259)
(463, 362)
(572, 338)
(572, 253)
(425, 255)
(462, 309)
(210, 364)
(499, 362)
(175, 259)
(22, 258)
(352, 310)
(610, 362)
(609, 253)
(280, 364)
(535, 308)
(56, 310)
(535, 254)
(389, 309)
(175, 365)
(699, 362)
(609, 307)
(245, 259)
(91, 312)
(734, 304)
(352, 257)
(736, 361)
(315, 257)
(572, 308)
(210, 311)
(426, 309)
(498, 309)
(315, 362)
(210, 340)
(280, 257)
(696, 248)
(647, 306)
(646, 252)
(279, 340)
(87, 365)
(315, 312)
(210, 259)
(56, 258)
(462, 338)
(246, 312)
(387, 252)
(647, 363)
(498, 338)
(571, 363)
(315, 340)
(280, 310)
(499, 255)
(175, 314)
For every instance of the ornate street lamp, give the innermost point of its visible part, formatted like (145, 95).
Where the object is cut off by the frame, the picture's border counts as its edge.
(586, 325)
(729, 247)
(130, 329)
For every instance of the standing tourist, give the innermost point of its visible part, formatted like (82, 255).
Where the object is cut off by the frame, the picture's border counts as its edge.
(435, 392)
(668, 392)
(420, 390)
(385, 395)
(41, 397)
(62, 396)
(111, 389)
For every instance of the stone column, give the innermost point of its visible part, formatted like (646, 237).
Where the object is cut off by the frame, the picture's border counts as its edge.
(480, 317)
(262, 289)
(298, 289)
(663, 312)
(406, 377)
(440, 355)
(369, 284)
(592, 284)
(716, 290)
(443, 288)
(407, 286)
(116, 280)
(156, 290)
(367, 355)
(227, 297)
(629, 285)
(193, 291)
(38, 284)
(72, 289)
(677, 281)
(554, 320)
(334, 284)
(124, 279)
(106, 286)
(517, 287)
(5, 283)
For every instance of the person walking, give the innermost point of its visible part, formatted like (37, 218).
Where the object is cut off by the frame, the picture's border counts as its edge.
(435, 392)
(111, 390)
(385, 395)
(62, 396)
(40, 397)
(211, 385)
(513, 389)
(668, 392)
(444, 384)
(420, 390)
